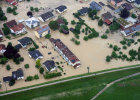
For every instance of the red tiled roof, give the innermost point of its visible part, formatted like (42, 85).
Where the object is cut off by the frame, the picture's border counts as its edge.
(2, 46)
(18, 27)
(65, 50)
(107, 21)
(13, 2)
(11, 23)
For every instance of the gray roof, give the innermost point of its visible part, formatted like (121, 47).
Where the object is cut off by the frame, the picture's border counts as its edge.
(43, 29)
(83, 11)
(96, 6)
(137, 1)
(118, 1)
(47, 15)
(17, 74)
(25, 41)
(35, 54)
(107, 15)
(32, 21)
(49, 64)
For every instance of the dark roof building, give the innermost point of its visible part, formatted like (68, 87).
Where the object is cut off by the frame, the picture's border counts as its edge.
(18, 47)
(83, 11)
(128, 6)
(95, 6)
(7, 79)
(36, 54)
(61, 9)
(49, 65)
(11, 23)
(17, 75)
(25, 41)
(46, 16)
(107, 15)
(137, 2)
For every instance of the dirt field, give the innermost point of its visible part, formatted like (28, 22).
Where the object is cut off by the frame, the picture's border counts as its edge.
(91, 53)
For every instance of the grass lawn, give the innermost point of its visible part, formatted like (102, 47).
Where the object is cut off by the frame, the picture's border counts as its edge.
(81, 89)
(128, 89)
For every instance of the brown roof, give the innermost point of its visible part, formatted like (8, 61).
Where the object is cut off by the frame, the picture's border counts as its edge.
(11, 23)
(2, 46)
(107, 15)
(18, 27)
(60, 21)
(65, 50)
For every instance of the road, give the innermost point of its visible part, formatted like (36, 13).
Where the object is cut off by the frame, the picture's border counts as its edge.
(110, 84)
(62, 81)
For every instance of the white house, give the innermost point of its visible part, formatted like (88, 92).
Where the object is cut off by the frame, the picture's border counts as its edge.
(32, 22)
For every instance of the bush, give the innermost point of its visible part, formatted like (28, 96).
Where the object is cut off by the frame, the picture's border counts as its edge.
(9, 10)
(32, 8)
(41, 70)
(123, 42)
(107, 31)
(26, 66)
(8, 67)
(53, 25)
(57, 63)
(138, 40)
(36, 9)
(52, 75)
(15, 13)
(104, 36)
(60, 68)
(134, 16)
(36, 77)
(29, 78)
(3, 60)
(108, 58)
(48, 36)
(73, 22)
(100, 22)
(115, 48)
(35, 45)
(85, 38)
(114, 55)
(37, 66)
(124, 47)
(12, 82)
(110, 46)
(21, 59)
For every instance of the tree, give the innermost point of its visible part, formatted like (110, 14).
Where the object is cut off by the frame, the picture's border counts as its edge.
(6, 29)
(100, 22)
(3, 60)
(73, 22)
(132, 53)
(124, 13)
(8, 67)
(114, 26)
(48, 36)
(36, 77)
(85, 38)
(32, 8)
(38, 63)
(29, 78)
(139, 56)
(107, 31)
(108, 58)
(9, 10)
(26, 66)
(41, 70)
(12, 82)
(53, 25)
(104, 36)
(134, 15)
(114, 55)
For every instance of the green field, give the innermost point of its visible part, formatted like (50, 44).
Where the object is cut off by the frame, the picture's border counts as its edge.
(128, 89)
(81, 89)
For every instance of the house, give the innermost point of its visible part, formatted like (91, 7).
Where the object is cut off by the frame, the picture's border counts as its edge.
(130, 1)
(46, 16)
(131, 20)
(83, 11)
(7, 79)
(95, 6)
(18, 29)
(137, 3)
(108, 22)
(1, 34)
(106, 16)
(132, 29)
(11, 23)
(32, 22)
(18, 75)
(12, 2)
(25, 41)
(127, 6)
(115, 3)
(18, 47)
(60, 21)
(61, 9)
(42, 31)
(35, 54)
(49, 65)
(124, 24)
(2, 48)
(63, 50)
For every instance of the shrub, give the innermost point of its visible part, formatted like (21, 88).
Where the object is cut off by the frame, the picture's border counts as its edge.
(73, 22)
(29, 78)
(134, 15)
(110, 46)
(57, 63)
(108, 58)
(9, 10)
(48, 36)
(35, 45)
(52, 75)
(85, 38)
(132, 53)
(15, 13)
(124, 47)
(12, 82)
(21, 59)
(115, 48)
(77, 42)
(138, 40)
(36, 9)
(100, 22)
(3, 60)
(53, 25)
(104, 36)
(36, 77)
(8, 67)
(41, 70)
(107, 31)
(60, 68)
(32, 8)
(26, 66)
(123, 42)
(114, 55)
